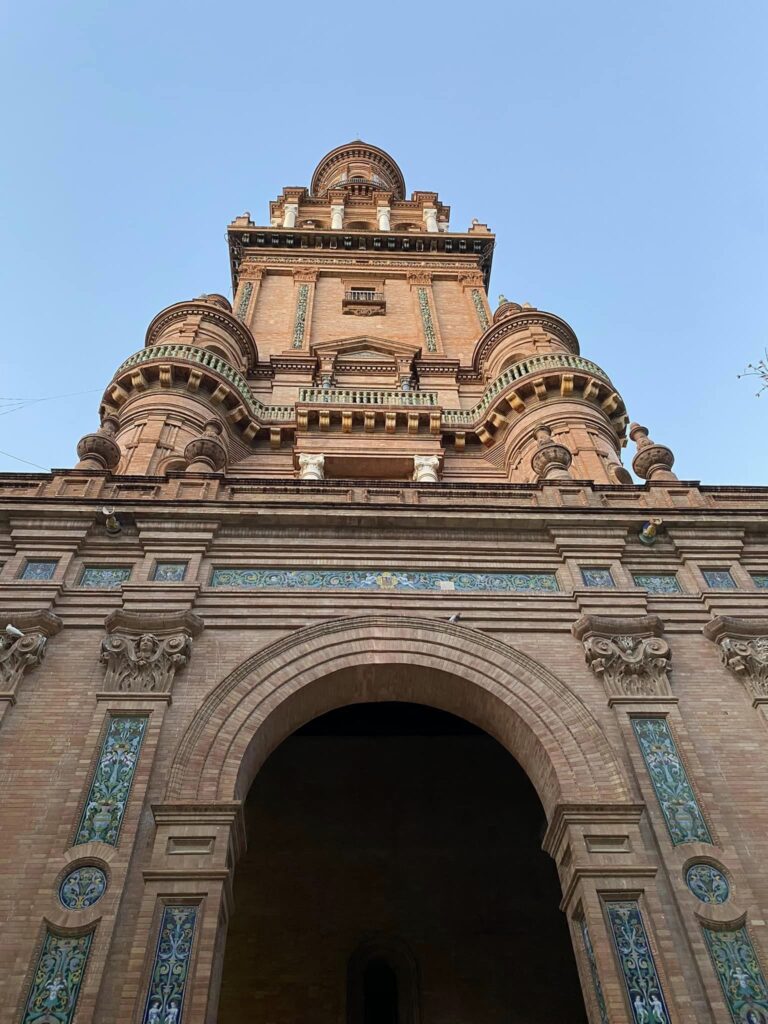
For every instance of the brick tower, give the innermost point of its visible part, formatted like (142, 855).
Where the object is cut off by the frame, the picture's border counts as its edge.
(348, 609)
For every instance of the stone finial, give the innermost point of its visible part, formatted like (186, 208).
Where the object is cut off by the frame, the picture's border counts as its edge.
(743, 647)
(19, 654)
(628, 654)
(311, 467)
(206, 454)
(143, 651)
(652, 461)
(100, 450)
(552, 460)
(426, 469)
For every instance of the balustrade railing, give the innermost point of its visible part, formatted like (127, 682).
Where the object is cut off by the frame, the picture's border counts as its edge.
(366, 396)
(203, 357)
(534, 364)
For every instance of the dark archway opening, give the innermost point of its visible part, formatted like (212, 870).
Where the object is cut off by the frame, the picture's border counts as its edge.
(394, 875)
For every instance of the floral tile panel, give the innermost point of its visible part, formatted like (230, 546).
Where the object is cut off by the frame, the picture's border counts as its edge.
(385, 579)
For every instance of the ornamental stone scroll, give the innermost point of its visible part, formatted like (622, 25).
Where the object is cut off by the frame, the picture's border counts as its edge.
(628, 654)
(743, 647)
(20, 654)
(143, 652)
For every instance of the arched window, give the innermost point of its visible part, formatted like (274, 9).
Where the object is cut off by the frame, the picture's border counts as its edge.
(381, 984)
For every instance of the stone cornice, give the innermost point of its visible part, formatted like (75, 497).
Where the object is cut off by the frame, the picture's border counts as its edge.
(160, 623)
(45, 622)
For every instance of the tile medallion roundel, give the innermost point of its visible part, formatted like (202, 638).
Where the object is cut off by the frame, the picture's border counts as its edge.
(82, 887)
(707, 883)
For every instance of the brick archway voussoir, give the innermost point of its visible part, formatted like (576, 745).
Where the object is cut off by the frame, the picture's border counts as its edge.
(542, 723)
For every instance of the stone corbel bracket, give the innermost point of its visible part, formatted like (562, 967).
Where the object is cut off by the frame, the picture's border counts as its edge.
(628, 654)
(143, 651)
(20, 654)
(743, 647)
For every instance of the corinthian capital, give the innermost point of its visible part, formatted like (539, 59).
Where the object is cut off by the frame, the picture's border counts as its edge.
(628, 654)
(143, 652)
(19, 654)
(743, 647)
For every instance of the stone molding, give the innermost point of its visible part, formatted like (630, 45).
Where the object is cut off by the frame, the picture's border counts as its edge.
(20, 654)
(143, 651)
(628, 654)
(743, 647)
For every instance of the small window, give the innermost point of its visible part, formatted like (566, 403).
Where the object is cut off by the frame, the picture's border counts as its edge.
(760, 579)
(718, 579)
(597, 576)
(169, 572)
(382, 986)
(105, 577)
(657, 582)
(35, 569)
(363, 294)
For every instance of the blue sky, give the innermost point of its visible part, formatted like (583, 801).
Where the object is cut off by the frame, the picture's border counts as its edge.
(617, 150)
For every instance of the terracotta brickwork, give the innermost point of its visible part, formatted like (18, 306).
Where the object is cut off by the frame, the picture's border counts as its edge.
(357, 483)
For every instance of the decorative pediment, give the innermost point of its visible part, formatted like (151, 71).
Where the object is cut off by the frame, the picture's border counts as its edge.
(364, 347)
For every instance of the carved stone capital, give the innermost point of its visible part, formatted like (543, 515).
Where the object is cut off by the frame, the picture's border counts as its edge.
(743, 647)
(628, 654)
(426, 469)
(143, 651)
(19, 654)
(311, 467)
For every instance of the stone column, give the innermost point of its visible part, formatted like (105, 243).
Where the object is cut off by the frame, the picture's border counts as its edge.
(142, 654)
(187, 891)
(290, 213)
(311, 467)
(632, 659)
(426, 469)
(430, 219)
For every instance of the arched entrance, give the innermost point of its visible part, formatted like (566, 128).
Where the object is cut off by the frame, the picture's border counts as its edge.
(538, 719)
(394, 875)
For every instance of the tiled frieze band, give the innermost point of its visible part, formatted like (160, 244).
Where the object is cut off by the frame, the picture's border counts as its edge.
(170, 968)
(638, 967)
(53, 993)
(375, 579)
(111, 786)
(671, 784)
(741, 977)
